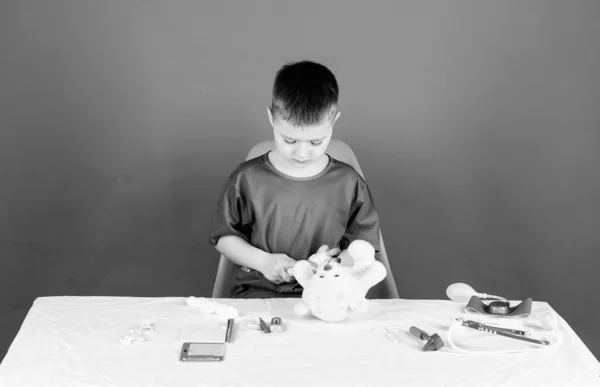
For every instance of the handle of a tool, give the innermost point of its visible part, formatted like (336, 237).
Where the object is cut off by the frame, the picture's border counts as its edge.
(419, 333)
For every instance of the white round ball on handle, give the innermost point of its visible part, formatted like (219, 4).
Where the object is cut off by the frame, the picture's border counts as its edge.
(460, 292)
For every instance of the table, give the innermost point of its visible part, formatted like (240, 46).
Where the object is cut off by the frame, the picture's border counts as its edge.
(76, 341)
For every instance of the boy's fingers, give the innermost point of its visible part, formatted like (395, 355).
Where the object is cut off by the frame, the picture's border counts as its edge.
(322, 249)
(285, 276)
(333, 252)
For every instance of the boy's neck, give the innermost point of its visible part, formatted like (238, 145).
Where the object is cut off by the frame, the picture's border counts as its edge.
(311, 170)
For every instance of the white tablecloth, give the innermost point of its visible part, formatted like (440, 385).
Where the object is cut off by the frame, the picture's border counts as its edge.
(76, 341)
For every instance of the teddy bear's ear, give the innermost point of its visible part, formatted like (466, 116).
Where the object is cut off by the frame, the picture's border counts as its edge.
(301, 309)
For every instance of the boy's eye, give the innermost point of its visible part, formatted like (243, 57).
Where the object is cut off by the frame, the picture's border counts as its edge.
(314, 143)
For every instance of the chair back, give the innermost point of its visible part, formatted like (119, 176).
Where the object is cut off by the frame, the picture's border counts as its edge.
(339, 150)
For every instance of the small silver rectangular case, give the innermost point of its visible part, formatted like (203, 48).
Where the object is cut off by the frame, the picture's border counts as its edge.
(202, 352)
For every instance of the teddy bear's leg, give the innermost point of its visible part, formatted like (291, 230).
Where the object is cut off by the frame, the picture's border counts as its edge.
(301, 309)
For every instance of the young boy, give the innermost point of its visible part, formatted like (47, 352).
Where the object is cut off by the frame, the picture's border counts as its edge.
(287, 204)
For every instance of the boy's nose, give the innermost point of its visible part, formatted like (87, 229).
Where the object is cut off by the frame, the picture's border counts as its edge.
(302, 151)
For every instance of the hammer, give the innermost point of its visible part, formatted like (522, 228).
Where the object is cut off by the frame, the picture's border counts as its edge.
(434, 342)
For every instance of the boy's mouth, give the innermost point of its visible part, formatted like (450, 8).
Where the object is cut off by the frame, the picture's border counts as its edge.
(301, 162)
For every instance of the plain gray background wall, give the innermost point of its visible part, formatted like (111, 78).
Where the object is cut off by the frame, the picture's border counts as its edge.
(477, 124)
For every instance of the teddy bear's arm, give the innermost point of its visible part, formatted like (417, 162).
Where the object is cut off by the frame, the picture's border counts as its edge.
(371, 277)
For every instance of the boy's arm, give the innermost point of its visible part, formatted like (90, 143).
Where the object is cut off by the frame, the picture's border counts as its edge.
(272, 266)
(240, 252)
(363, 222)
(230, 235)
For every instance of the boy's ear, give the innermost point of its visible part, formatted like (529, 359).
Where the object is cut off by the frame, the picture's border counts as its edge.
(335, 118)
(270, 113)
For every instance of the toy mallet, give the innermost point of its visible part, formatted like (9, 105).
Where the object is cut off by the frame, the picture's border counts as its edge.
(434, 342)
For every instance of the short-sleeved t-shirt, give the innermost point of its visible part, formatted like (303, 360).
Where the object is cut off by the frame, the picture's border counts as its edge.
(278, 213)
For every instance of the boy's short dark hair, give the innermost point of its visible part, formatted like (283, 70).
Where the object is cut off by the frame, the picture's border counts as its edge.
(303, 92)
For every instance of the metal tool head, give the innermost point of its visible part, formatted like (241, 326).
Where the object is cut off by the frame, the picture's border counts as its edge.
(434, 343)
(264, 326)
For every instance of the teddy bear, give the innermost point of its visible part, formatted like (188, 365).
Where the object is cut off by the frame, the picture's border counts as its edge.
(336, 286)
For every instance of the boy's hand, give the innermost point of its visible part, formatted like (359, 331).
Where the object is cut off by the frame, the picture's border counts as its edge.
(276, 266)
(323, 254)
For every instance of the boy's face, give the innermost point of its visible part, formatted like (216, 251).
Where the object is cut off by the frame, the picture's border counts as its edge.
(300, 147)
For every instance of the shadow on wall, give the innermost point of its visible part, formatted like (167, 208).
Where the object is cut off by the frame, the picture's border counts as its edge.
(10, 323)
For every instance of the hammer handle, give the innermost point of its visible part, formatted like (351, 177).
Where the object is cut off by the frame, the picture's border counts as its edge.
(419, 333)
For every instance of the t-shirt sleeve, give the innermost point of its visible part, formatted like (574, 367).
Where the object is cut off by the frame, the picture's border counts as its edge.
(231, 217)
(363, 222)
